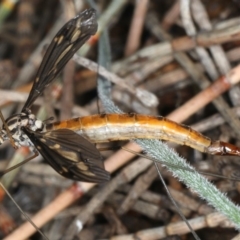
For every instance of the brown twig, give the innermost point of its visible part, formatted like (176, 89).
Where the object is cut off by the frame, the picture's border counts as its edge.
(136, 27)
(210, 220)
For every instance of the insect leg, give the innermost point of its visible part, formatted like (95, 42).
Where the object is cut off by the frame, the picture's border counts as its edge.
(19, 164)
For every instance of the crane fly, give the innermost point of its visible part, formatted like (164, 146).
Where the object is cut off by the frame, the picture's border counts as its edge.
(61, 143)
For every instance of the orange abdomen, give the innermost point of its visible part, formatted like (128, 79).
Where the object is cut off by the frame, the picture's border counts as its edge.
(110, 127)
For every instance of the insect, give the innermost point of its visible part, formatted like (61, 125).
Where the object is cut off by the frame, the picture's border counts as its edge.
(68, 153)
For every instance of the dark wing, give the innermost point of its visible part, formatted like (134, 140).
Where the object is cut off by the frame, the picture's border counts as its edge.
(66, 42)
(70, 155)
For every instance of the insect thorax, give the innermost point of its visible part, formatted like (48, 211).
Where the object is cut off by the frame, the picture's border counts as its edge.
(15, 124)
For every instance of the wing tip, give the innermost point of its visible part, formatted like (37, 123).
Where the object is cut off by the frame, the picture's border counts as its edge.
(101, 176)
(98, 175)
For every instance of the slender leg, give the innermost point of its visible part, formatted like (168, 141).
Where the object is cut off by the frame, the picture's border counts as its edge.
(20, 164)
(8, 131)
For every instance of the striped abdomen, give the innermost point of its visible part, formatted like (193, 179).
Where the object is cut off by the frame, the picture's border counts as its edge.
(110, 127)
